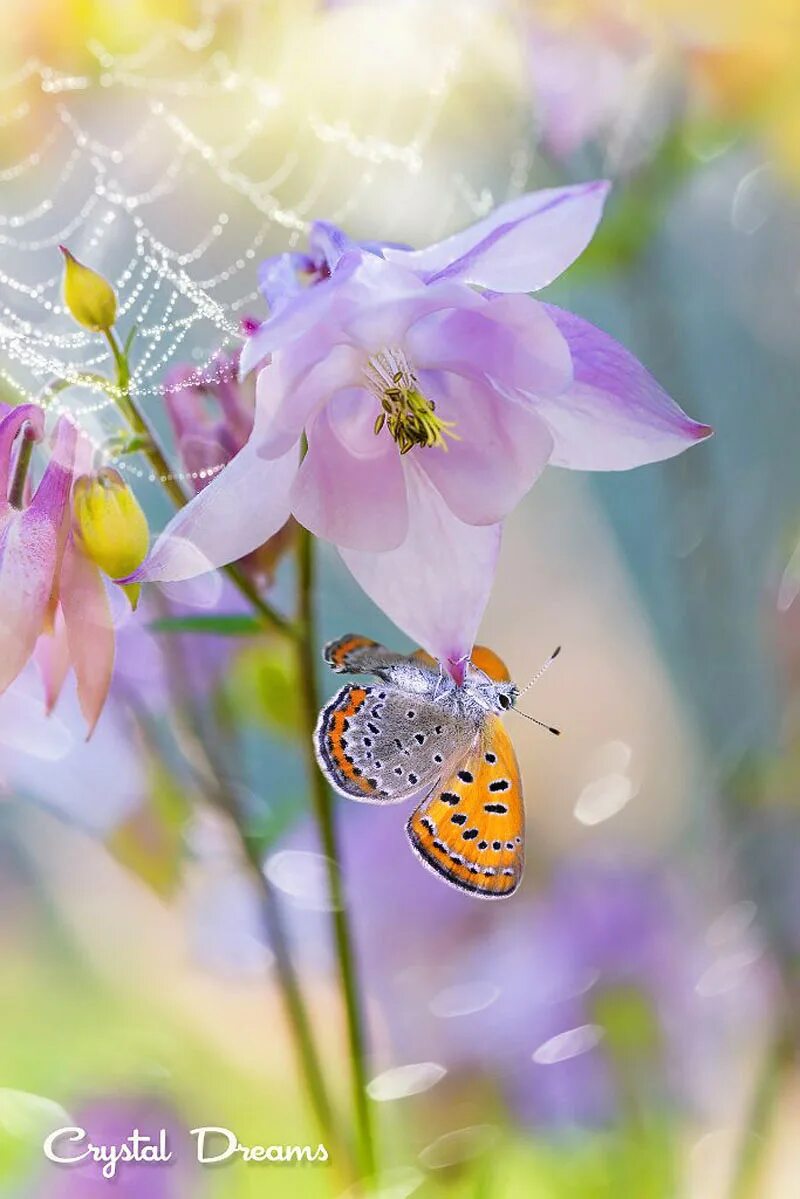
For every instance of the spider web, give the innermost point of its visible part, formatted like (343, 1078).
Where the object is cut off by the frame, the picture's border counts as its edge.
(175, 169)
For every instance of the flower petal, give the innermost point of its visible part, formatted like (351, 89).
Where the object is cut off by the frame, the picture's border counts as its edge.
(297, 315)
(383, 321)
(90, 631)
(511, 339)
(521, 246)
(31, 544)
(504, 446)
(294, 384)
(615, 416)
(350, 488)
(436, 585)
(236, 513)
(10, 426)
(52, 657)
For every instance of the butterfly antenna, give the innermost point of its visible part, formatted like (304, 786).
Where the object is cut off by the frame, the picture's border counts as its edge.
(540, 672)
(527, 687)
(541, 723)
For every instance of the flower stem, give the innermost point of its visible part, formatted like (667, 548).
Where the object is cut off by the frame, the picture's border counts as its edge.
(213, 776)
(155, 456)
(297, 1013)
(17, 489)
(758, 1125)
(323, 811)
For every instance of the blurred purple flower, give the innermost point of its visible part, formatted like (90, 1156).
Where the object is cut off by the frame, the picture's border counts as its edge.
(588, 76)
(608, 983)
(429, 410)
(610, 969)
(45, 759)
(110, 1121)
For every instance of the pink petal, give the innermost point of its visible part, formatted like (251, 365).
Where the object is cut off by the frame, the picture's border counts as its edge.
(436, 585)
(295, 383)
(28, 559)
(236, 513)
(350, 487)
(504, 446)
(521, 246)
(615, 416)
(52, 657)
(202, 453)
(31, 543)
(10, 426)
(511, 339)
(90, 631)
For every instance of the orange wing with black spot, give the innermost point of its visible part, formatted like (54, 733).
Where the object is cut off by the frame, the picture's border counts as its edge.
(471, 829)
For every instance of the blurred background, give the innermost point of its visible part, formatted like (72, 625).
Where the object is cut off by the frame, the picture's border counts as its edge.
(628, 1025)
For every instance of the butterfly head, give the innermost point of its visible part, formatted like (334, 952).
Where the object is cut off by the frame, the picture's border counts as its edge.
(490, 694)
(491, 689)
(505, 696)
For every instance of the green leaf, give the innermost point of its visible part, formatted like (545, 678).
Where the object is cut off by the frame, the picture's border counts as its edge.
(126, 349)
(150, 842)
(262, 688)
(222, 625)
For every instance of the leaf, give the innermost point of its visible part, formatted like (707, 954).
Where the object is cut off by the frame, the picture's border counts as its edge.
(222, 625)
(151, 842)
(126, 349)
(28, 1116)
(262, 688)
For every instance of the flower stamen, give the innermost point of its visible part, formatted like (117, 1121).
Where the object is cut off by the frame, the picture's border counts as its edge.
(409, 415)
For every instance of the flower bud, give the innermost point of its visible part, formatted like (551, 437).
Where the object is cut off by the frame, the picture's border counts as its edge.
(109, 524)
(88, 296)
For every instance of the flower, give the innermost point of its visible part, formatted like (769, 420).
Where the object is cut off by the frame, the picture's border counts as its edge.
(211, 412)
(599, 76)
(109, 524)
(52, 595)
(429, 409)
(88, 296)
(609, 994)
(110, 1120)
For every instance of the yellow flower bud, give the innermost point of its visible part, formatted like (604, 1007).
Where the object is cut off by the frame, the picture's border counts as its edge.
(108, 523)
(88, 296)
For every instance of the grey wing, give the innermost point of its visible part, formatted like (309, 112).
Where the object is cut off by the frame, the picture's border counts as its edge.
(354, 654)
(379, 745)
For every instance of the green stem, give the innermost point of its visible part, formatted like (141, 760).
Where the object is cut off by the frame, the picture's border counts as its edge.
(294, 1003)
(17, 489)
(763, 1106)
(157, 459)
(213, 778)
(323, 811)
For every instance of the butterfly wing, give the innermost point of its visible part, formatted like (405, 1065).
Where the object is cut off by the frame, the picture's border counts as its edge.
(470, 830)
(381, 745)
(488, 661)
(353, 654)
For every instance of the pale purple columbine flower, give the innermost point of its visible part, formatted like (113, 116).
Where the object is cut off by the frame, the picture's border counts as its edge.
(430, 408)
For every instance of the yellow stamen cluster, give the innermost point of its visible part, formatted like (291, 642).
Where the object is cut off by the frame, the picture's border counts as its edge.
(409, 416)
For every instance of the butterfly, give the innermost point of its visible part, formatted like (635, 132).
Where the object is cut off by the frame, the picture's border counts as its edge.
(418, 732)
